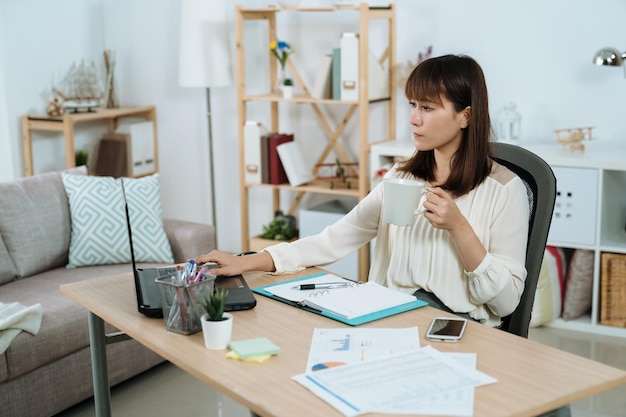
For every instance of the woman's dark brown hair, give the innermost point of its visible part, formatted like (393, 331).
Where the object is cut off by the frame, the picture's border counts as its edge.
(460, 80)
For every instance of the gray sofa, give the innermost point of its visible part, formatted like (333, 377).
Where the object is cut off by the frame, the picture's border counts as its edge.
(44, 374)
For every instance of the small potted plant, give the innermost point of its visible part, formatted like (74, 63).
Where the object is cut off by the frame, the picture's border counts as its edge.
(217, 326)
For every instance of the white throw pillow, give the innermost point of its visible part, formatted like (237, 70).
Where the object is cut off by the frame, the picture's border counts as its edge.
(99, 230)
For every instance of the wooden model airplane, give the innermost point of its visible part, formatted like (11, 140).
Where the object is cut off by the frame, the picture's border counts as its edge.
(574, 137)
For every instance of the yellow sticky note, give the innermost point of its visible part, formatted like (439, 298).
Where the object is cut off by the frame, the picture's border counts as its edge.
(256, 359)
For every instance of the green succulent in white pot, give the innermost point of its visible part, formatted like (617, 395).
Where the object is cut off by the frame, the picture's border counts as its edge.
(217, 325)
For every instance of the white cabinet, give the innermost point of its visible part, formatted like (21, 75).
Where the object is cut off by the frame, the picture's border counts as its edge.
(589, 213)
(575, 207)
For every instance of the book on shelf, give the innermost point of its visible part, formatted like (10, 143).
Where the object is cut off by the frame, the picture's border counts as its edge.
(340, 299)
(275, 171)
(252, 134)
(336, 75)
(291, 157)
(323, 80)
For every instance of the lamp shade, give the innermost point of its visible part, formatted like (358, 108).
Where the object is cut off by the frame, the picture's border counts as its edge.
(204, 47)
(608, 56)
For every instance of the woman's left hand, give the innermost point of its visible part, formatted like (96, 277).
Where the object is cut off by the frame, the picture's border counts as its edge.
(441, 210)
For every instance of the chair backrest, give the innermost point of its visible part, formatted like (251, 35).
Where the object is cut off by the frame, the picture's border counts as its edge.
(541, 185)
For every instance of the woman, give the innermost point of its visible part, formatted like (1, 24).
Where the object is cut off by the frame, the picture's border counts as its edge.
(468, 248)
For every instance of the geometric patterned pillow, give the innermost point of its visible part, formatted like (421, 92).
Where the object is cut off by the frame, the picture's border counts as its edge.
(99, 231)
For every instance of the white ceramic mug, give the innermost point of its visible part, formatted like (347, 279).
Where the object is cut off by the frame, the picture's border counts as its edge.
(402, 200)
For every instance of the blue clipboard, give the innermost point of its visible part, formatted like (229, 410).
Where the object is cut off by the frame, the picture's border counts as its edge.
(352, 322)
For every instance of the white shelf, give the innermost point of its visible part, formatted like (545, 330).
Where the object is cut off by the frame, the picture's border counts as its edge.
(604, 163)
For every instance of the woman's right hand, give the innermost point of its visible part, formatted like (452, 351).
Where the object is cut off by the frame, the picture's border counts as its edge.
(234, 265)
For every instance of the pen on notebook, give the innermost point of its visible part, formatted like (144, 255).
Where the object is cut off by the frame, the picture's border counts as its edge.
(326, 286)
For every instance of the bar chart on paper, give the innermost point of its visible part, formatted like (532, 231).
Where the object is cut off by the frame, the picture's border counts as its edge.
(335, 347)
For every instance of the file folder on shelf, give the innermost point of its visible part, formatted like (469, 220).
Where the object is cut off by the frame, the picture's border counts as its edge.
(349, 66)
(395, 302)
(253, 161)
(377, 81)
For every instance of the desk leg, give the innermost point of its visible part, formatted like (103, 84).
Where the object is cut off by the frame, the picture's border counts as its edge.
(97, 346)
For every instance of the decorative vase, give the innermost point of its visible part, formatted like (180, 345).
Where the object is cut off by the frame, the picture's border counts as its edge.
(287, 91)
(284, 84)
(217, 334)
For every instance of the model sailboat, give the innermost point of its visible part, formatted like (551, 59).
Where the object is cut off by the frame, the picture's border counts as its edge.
(80, 89)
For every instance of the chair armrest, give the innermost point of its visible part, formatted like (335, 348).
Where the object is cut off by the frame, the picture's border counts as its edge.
(189, 239)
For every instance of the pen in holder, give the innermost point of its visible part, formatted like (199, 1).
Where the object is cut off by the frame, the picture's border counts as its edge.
(180, 302)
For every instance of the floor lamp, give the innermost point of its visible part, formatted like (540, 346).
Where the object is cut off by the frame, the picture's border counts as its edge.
(205, 59)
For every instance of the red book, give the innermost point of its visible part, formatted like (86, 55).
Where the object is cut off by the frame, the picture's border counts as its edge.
(276, 171)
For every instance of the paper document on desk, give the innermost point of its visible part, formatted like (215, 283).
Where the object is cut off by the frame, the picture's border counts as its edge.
(456, 403)
(336, 347)
(394, 384)
(342, 346)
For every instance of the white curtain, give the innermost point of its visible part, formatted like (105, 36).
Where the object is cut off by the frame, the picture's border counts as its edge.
(6, 150)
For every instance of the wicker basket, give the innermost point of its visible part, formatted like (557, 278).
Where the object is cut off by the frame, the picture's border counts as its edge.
(613, 290)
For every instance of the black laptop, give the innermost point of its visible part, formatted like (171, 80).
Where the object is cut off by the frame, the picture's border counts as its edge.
(240, 296)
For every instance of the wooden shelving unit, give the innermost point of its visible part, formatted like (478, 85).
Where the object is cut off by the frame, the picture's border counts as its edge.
(358, 108)
(66, 124)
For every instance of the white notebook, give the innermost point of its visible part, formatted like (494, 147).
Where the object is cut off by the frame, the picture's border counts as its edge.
(293, 162)
(354, 300)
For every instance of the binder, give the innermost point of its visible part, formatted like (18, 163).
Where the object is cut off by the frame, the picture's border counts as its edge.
(293, 162)
(276, 171)
(349, 69)
(252, 134)
(377, 82)
(355, 321)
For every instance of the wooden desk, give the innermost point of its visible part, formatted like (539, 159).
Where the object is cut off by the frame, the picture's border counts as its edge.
(66, 124)
(532, 378)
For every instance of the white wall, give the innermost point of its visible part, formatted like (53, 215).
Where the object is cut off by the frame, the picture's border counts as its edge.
(535, 53)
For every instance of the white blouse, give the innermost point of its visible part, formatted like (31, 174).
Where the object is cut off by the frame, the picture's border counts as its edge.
(408, 258)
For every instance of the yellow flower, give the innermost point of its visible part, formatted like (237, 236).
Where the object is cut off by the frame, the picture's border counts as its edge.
(281, 51)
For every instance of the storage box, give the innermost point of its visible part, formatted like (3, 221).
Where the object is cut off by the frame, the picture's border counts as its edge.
(313, 220)
(613, 290)
(139, 137)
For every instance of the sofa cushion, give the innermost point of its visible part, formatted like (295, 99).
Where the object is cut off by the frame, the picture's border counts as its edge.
(99, 231)
(7, 268)
(64, 327)
(35, 223)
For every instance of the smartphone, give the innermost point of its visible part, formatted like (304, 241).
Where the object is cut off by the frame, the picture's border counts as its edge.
(446, 329)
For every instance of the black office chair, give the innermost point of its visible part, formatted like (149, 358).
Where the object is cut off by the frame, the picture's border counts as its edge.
(541, 185)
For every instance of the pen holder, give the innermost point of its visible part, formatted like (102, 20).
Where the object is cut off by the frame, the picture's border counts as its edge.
(181, 303)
